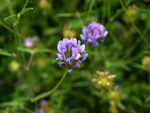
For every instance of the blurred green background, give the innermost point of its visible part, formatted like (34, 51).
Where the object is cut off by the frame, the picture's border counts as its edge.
(123, 53)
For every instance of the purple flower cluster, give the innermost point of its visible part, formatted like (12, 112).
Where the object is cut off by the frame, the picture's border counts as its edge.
(94, 34)
(43, 105)
(70, 53)
(31, 41)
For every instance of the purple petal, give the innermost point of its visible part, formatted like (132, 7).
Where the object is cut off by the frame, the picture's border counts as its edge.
(78, 64)
(41, 111)
(28, 42)
(73, 41)
(90, 36)
(65, 42)
(69, 61)
(59, 46)
(74, 52)
(70, 46)
(59, 56)
(85, 42)
(43, 103)
(36, 111)
(82, 48)
(84, 56)
(70, 71)
(83, 37)
(95, 43)
(101, 41)
(85, 30)
(77, 57)
(37, 38)
(63, 55)
(105, 33)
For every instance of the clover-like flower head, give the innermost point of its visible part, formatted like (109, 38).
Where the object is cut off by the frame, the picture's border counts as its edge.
(71, 53)
(94, 34)
(31, 41)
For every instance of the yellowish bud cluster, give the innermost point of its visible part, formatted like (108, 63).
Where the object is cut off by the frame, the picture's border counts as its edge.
(67, 32)
(146, 61)
(103, 80)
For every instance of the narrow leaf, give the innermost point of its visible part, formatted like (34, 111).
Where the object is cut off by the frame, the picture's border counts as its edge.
(10, 17)
(24, 50)
(42, 50)
(147, 52)
(5, 53)
(25, 10)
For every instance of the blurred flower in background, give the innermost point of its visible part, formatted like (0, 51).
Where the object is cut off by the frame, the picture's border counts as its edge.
(146, 61)
(70, 53)
(44, 107)
(40, 62)
(67, 32)
(31, 42)
(118, 28)
(132, 12)
(103, 80)
(14, 66)
(45, 6)
(94, 34)
(114, 98)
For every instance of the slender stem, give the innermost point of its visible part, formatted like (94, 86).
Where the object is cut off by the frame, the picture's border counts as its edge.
(108, 8)
(9, 8)
(91, 5)
(14, 30)
(5, 26)
(104, 11)
(29, 81)
(148, 81)
(26, 4)
(30, 61)
(141, 35)
(9, 29)
(45, 94)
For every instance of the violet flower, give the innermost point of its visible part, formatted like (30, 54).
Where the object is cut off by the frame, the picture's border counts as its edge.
(71, 54)
(94, 34)
(31, 41)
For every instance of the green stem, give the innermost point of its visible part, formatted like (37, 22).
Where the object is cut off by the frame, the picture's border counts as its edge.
(5, 26)
(9, 8)
(9, 29)
(45, 94)
(104, 11)
(148, 81)
(26, 4)
(141, 35)
(29, 81)
(108, 8)
(30, 61)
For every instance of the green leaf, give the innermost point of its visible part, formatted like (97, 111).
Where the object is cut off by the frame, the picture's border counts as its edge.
(121, 106)
(147, 52)
(5, 53)
(66, 15)
(34, 51)
(10, 17)
(25, 50)
(148, 99)
(42, 50)
(6, 104)
(25, 10)
(140, 66)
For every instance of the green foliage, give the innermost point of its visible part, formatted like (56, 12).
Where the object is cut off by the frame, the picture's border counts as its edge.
(122, 53)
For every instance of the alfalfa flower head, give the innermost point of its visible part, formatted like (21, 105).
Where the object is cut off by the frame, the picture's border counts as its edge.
(71, 53)
(94, 34)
